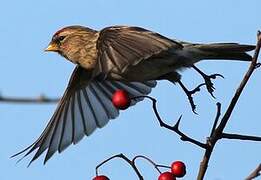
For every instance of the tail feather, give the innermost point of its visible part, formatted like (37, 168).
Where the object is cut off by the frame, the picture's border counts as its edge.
(231, 47)
(226, 51)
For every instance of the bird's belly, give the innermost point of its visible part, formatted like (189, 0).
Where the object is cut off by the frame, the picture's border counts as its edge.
(150, 69)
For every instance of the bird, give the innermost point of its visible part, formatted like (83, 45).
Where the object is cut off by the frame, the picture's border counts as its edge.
(118, 57)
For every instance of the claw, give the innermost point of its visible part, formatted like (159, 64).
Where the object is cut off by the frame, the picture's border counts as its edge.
(208, 82)
(214, 76)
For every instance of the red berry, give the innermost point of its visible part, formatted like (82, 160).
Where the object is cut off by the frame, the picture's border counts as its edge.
(178, 168)
(121, 99)
(102, 177)
(167, 176)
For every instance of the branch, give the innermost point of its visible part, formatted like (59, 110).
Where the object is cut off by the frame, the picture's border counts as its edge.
(243, 83)
(122, 156)
(39, 99)
(216, 119)
(132, 163)
(174, 128)
(255, 173)
(156, 166)
(218, 132)
(240, 137)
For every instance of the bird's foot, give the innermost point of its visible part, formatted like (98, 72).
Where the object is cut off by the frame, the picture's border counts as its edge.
(189, 94)
(209, 83)
(207, 78)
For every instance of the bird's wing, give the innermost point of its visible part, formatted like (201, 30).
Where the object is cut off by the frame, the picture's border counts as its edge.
(122, 46)
(84, 106)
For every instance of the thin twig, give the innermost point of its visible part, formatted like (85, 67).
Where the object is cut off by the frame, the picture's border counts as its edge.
(174, 128)
(240, 137)
(219, 130)
(132, 163)
(39, 99)
(150, 161)
(255, 173)
(122, 156)
(243, 83)
(216, 119)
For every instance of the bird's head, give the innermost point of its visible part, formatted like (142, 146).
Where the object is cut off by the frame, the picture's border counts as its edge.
(71, 41)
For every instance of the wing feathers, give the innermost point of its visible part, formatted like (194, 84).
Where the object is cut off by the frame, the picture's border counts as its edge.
(54, 142)
(122, 46)
(89, 119)
(88, 101)
(66, 135)
(79, 125)
(104, 101)
(80, 111)
(97, 106)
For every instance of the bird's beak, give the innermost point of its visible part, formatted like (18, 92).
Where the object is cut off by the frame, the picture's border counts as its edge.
(52, 47)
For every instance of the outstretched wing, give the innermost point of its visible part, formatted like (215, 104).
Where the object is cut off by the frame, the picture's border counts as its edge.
(84, 106)
(122, 46)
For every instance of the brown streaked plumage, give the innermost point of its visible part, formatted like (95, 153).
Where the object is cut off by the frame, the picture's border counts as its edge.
(117, 57)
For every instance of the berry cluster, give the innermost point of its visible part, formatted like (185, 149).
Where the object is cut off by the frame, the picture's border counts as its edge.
(178, 169)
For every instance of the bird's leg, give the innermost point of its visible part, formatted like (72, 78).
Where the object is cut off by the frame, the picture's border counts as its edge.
(189, 94)
(174, 77)
(207, 78)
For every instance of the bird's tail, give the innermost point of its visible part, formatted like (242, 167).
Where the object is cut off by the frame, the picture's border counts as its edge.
(223, 51)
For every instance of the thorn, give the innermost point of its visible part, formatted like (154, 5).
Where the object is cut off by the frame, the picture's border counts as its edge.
(177, 123)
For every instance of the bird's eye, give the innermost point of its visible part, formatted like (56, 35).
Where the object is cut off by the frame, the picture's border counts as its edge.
(60, 38)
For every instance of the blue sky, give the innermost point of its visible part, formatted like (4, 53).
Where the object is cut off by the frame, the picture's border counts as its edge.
(26, 28)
